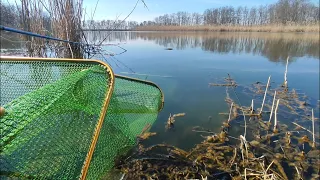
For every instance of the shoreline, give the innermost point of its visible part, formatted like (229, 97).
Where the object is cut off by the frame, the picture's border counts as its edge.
(221, 28)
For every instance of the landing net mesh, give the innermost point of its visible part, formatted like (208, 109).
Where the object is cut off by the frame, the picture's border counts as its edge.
(52, 108)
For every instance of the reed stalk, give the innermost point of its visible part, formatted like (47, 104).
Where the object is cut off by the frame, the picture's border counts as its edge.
(275, 117)
(64, 17)
(313, 136)
(274, 98)
(252, 110)
(265, 94)
(285, 84)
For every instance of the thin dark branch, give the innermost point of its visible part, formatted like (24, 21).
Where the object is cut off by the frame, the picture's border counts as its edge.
(122, 64)
(120, 23)
(94, 12)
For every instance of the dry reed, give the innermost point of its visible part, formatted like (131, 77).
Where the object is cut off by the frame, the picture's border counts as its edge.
(275, 117)
(31, 20)
(265, 93)
(252, 109)
(65, 23)
(313, 138)
(285, 83)
(274, 98)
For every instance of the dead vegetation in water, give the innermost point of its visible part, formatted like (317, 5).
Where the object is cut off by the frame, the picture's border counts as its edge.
(268, 156)
(171, 120)
(145, 134)
(229, 80)
(267, 149)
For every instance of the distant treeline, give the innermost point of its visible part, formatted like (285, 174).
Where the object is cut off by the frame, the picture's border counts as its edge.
(283, 12)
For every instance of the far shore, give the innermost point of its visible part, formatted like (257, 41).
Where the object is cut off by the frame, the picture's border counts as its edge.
(224, 28)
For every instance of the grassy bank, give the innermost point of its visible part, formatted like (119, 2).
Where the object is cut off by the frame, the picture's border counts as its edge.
(257, 28)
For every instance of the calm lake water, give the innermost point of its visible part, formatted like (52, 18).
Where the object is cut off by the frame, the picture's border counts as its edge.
(198, 59)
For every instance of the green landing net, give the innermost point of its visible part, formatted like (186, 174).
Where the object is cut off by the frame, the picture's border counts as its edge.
(69, 119)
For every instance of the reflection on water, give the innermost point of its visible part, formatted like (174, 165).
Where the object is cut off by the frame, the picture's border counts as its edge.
(274, 46)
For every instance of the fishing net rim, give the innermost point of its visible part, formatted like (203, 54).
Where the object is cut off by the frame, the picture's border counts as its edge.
(146, 82)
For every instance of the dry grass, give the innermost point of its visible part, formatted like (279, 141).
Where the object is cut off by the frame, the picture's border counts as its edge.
(65, 21)
(66, 24)
(257, 28)
(31, 20)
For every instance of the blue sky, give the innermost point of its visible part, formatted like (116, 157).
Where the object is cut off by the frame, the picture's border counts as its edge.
(110, 9)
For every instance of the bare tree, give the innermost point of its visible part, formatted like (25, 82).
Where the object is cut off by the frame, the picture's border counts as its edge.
(253, 16)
